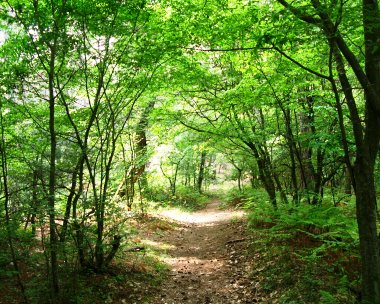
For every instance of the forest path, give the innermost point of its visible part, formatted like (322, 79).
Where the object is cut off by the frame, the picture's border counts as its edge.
(206, 257)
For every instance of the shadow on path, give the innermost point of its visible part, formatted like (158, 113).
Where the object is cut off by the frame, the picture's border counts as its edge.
(206, 257)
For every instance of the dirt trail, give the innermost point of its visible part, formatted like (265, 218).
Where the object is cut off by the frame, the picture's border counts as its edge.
(207, 258)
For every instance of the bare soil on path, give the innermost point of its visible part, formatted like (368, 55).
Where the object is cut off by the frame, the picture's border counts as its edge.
(207, 258)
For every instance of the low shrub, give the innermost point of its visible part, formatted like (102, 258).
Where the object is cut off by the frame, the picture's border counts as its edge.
(315, 246)
(334, 226)
(188, 198)
(185, 197)
(157, 194)
(245, 198)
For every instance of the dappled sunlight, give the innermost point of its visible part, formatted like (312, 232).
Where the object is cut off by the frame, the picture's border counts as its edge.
(205, 217)
(203, 268)
(190, 264)
(158, 245)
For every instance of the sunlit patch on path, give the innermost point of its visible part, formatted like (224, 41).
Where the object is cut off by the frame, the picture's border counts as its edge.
(210, 215)
(204, 266)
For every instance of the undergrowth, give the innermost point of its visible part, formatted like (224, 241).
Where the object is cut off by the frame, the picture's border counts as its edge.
(242, 198)
(137, 271)
(132, 277)
(307, 254)
(186, 198)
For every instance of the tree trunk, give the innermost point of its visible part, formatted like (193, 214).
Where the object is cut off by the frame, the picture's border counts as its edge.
(34, 201)
(142, 144)
(366, 157)
(9, 229)
(363, 176)
(265, 173)
(174, 180)
(307, 128)
(201, 171)
(69, 202)
(239, 173)
(367, 143)
(239, 178)
(292, 152)
(367, 221)
(367, 138)
(52, 179)
(347, 181)
(78, 226)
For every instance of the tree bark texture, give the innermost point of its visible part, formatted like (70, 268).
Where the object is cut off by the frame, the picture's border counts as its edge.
(201, 171)
(367, 135)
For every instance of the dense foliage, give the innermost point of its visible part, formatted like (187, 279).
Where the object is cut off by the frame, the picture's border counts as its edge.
(108, 107)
